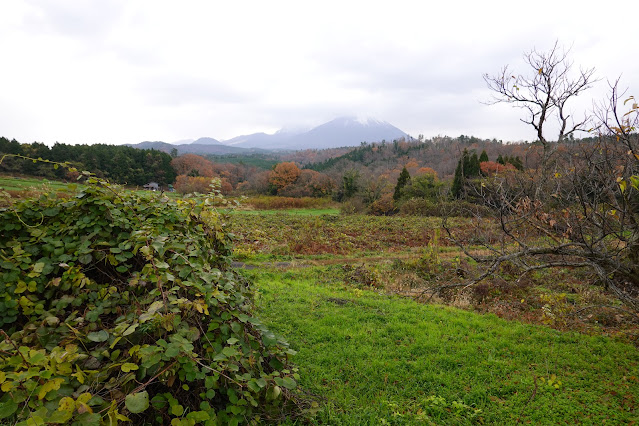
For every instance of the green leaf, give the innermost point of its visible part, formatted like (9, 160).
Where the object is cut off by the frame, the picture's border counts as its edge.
(177, 410)
(129, 366)
(253, 386)
(8, 408)
(162, 265)
(198, 416)
(228, 351)
(289, 383)
(88, 419)
(98, 336)
(130, 330)
(59, 417)
(137, 402)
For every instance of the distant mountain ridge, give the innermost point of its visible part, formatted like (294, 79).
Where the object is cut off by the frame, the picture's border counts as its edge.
(206, 141)
(342, 131)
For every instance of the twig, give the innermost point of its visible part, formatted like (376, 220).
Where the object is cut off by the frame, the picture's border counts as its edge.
(143, 385)
(6, 336)
(214, 370)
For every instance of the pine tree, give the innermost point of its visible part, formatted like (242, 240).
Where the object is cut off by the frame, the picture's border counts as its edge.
(473, 169)
(500, 160)
(518, 164)
(458, 180)
(465, 163)
(402, 181)
(483, 157)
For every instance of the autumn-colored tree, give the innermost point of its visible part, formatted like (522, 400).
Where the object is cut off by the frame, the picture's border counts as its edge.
(225, 186)
(194, 165)
(187, 184)
(321, 185)
(384, 206)
(426, 171)
(490, 168)
(255, 183)
(284, 174)
(309, 184)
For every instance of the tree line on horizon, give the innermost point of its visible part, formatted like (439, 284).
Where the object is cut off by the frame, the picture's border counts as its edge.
(117, 163)
(373, 177)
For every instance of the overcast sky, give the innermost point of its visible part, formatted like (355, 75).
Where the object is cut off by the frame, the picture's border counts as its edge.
(126, 71)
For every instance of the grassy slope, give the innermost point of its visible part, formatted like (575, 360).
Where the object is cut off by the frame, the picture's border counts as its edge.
(380, 359)
(10, 183)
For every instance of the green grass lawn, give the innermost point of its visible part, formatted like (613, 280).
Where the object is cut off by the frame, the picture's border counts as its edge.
(12, 183)
(377, 359)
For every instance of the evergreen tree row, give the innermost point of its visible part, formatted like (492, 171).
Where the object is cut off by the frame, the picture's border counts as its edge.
(118, 163)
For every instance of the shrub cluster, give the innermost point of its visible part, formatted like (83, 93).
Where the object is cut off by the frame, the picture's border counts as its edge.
(459, 208)
(118, 306)
(281, 203)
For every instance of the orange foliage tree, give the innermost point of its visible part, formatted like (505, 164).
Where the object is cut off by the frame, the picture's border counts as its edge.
(283, 175)
(194, 165)
(309, 184)
(489, 168)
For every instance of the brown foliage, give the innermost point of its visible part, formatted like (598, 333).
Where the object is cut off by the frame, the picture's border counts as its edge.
(384, 206)
(189, 163)
(284, 174)
(490, 168)
(186, 184)
(309, 184)
(426, 171)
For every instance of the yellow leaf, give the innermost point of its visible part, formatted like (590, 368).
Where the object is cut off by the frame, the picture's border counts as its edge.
(6, 386)
(85, 397)
(49, 386)
(122, 417)
(79, 374)
(622, 186)
(83, 408)
(66, 404)
(201, 307)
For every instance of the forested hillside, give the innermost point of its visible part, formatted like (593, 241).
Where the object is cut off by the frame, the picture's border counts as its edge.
(440, 153)
(119, 164)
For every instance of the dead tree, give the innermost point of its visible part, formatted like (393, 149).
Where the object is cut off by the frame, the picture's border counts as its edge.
(580, 207)
(545, 94)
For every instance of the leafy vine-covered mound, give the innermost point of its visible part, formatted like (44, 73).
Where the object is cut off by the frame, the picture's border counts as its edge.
(118, 306)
